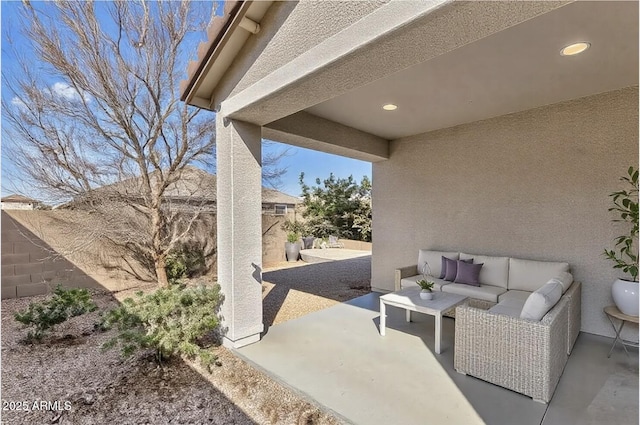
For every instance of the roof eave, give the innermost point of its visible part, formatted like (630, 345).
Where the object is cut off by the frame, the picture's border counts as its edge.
(217, 53)
(219, 27)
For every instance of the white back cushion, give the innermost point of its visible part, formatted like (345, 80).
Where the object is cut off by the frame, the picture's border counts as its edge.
(541, 301)
(529, 275)
(495, 270)
(434, 259)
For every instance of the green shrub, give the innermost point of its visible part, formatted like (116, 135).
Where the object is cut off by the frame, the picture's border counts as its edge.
(64, 304)
(176, 269)
(337, 206)
(185, 262)
(172, 321)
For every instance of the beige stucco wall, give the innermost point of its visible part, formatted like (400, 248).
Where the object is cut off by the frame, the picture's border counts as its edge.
(532, 184)
(307, 22)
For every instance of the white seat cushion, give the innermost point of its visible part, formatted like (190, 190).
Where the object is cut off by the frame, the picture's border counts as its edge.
(482, 292)
(529, 275)
(509, 307)
(434, 258)
(520, 296)
(409, 282)
(495, 270)
(541, 301)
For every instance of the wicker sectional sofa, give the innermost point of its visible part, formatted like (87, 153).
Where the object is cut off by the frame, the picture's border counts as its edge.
(492, 342)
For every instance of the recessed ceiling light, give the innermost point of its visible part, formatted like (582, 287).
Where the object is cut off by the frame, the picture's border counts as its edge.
(390, 107)
(575, 48)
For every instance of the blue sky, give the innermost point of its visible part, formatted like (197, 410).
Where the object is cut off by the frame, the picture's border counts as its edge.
(318, 165)
(313, 164)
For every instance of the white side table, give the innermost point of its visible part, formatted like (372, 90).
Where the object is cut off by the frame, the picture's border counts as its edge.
(409, 299)
(612, 313)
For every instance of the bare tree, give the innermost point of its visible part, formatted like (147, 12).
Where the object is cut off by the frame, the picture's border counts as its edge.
(96, 104)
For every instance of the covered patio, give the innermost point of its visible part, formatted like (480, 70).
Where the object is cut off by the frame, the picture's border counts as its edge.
(486, 137)
(337, 358)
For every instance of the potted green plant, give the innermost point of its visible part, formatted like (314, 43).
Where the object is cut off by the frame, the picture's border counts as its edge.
(292, 247)
(426, 293)
(625, 253)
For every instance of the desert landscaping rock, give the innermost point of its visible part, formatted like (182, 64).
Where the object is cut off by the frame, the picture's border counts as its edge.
(101, 387)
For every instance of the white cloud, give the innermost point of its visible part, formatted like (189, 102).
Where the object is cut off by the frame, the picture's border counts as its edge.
(59, 89)
(17, 102)
(68, 92)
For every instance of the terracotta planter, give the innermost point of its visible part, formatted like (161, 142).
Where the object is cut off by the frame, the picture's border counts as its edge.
(625, 295)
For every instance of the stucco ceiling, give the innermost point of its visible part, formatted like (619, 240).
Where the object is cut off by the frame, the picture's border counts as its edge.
(517, 69)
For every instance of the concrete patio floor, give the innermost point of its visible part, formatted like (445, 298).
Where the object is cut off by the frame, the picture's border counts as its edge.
(337, 358)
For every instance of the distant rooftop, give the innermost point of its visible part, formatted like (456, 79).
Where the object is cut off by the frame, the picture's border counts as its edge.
(192, 184)
(19, 198)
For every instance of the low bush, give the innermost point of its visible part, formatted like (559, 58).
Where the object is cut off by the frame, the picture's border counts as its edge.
(171, 321)
(185, 262)
(41, 317)
(176, 269)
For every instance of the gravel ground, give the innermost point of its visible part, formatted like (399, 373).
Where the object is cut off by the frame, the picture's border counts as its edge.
(294, 289)
(100, 387)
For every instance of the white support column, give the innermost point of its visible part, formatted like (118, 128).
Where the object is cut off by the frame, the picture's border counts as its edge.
(239, 224)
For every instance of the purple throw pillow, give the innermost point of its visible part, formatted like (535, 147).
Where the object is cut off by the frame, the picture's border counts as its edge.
(444, 267)
(468, 274)
(450, 268)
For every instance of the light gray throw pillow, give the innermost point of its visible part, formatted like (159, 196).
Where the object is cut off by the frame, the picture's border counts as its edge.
(541, 301)
(565, 279)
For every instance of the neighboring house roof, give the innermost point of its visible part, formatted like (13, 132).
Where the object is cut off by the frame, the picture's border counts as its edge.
(270, 196)
(193, 184)
(19, 199)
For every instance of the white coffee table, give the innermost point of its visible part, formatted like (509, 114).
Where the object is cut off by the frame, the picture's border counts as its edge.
(409, 299)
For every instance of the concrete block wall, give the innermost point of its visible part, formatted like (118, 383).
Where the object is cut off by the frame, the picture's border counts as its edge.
(31, 267)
